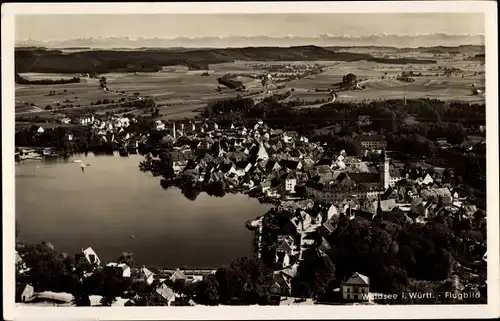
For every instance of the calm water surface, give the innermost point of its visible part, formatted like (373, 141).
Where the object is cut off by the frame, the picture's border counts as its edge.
(113, 200)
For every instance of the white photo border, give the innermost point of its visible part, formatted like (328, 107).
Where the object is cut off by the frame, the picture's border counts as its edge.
(11, 312)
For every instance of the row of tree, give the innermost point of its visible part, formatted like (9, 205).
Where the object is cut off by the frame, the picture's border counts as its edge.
(23, 81)
(386, 116)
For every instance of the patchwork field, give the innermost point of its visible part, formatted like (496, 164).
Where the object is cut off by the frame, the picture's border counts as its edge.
(166, 87)
(376, 88)
(180, 91)
(76, 94)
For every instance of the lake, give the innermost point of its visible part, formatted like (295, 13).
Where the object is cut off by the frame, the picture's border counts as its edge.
(113, 200)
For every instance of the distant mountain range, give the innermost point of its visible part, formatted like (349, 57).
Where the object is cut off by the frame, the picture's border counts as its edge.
(386, 40)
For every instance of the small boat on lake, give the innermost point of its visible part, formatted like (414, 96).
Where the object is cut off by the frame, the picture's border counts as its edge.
(49, 153)
(30, 154)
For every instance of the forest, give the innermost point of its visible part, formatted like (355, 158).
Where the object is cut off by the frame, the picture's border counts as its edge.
(105, 61)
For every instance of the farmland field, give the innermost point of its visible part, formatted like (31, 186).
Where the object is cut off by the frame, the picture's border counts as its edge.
(429, 85)
(179, 91)
(83, 93)
(186, 88)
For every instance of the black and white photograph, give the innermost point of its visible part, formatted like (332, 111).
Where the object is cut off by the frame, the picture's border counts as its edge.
(181, 155)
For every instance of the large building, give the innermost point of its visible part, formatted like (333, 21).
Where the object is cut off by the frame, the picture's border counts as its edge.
(373, 142)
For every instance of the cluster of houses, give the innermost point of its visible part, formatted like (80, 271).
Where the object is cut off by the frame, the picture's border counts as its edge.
(275, 162)
(110, 129)
(316, 185)
(89, 260)
(285, 165)
(305, 179)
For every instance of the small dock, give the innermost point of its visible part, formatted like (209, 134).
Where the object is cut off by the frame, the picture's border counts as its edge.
(192, 271)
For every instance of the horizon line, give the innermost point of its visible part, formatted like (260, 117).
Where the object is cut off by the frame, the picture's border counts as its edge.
(322, 35)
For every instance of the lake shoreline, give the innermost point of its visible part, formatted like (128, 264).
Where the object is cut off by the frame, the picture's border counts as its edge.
(178, 216)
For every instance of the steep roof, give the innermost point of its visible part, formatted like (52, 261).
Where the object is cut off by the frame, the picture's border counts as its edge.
(417, 201)
(290, 164)
(282, 280)
(146, 273)
(386, 205)
(284, 247)
(178, 275)
(89, 251)
(165, 292)
(366, 138)
(358, 279)
(123, 266)
(329, 226)
(325, 245)
(364, 177)
(18, 258)
(262, 153)
(443, 192)
(332, 210)
(290, 175)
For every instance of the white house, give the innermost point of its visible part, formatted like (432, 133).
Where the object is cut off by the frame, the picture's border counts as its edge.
(123, 269)
(266, 185)
(65, 120)
(124, 121)
(305, 219)
(385, 205)
(166, 294)
(248, 167)
(284, 250)
(356, 288)
(40, 130)
(87, 120)
(332, 211)
(290, 182)
(425, 181)
(287, 138)
(178, 275)
(282, 259)
(147, 275)
(20, 264)
(262, 153)
(317, 220)
(28, 293)
(90, 256)
(159, 125)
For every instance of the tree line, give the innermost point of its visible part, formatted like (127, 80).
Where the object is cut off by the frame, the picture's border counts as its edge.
(23, 81)
(243, 281)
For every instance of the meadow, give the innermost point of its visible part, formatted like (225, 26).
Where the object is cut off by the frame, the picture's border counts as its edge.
(180, 92)
(380, 82)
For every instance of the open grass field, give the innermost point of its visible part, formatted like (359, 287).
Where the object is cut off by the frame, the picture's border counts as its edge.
(166, 87)
(179, 91)
(370, 74)
(83, 93)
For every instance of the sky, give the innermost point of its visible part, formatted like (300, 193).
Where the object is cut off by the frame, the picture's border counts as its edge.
(63, 27)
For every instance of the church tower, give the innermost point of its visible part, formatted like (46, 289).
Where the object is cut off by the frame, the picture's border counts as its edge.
(174, 130)
(384, 171)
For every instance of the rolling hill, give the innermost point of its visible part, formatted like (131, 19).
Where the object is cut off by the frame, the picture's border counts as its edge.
(102, 61)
